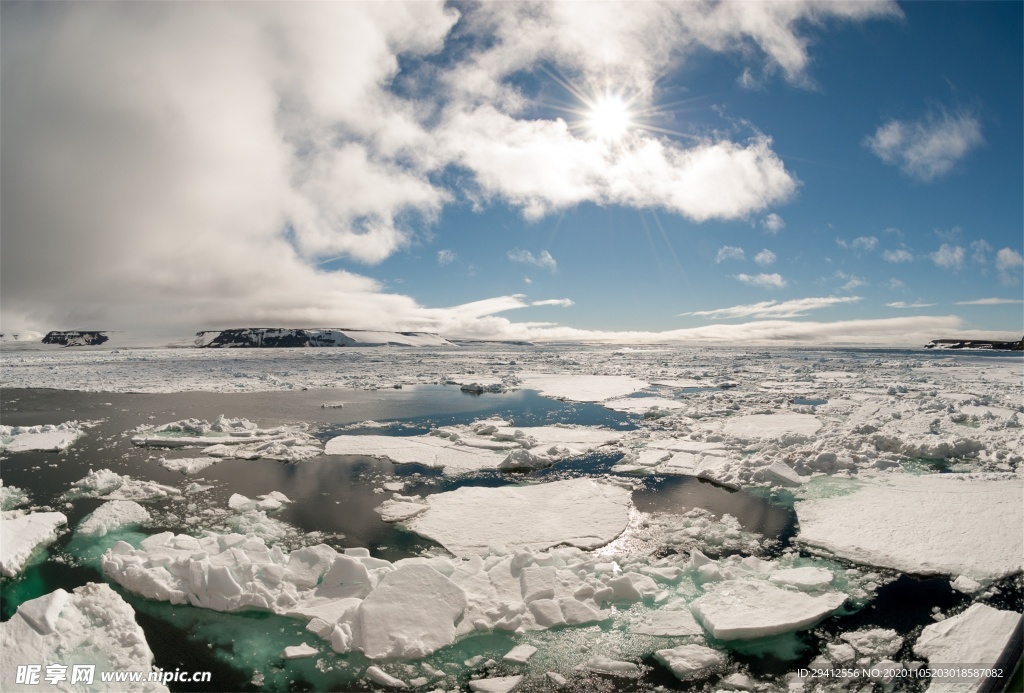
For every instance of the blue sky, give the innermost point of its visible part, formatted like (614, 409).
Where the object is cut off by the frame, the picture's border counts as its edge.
(801, 171)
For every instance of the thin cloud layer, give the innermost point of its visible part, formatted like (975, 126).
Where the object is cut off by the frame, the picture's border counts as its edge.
(949, 257)
(929, 148)
(542, 260)
(764, 281)
(795, 308)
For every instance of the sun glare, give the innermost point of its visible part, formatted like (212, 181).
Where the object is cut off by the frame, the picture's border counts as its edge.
(609, 118)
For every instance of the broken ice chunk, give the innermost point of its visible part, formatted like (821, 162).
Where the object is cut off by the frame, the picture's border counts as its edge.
(808, 579)
(378, 675)
(112, 515)
(299, 652)
(502, 684)
(614, 667)
(690, 662)
(410, 614)
(976, 637)
(520, 654)
(668, 623)
(749, 609)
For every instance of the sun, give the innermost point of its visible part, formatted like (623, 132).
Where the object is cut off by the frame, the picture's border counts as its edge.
(609, 118)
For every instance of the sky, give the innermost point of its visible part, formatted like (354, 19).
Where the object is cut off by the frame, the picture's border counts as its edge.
(792, 172)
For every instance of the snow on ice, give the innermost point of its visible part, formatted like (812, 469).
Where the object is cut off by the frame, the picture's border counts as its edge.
(23, 534)
(975, 637)
(750, 609)
(112, 515)
(927, 525)
(578, 512)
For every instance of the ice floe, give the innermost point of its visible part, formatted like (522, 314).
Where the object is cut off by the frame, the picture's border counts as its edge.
(23, 534)
(934, 524)
(488, 444)
(47, 437)
(11, 496)
(109, 485)
(188, 465)
(232, 438)
(112, 515)
(90, 625)
(576, 512)
(750, 609)
(582, 388)
(690, 662)
(974, 638)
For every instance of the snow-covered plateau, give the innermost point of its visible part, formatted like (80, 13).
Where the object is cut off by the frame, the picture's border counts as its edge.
(514, 518)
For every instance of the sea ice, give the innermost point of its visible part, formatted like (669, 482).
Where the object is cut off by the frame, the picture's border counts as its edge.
(973, 638)
(299, 652)
(21, 534)
(582, 388)
(501, 684)
(520, 654)
(232, 438)
(110, 485)
(690, 662)
(578, 512)
(11, 496)
(110, 516)
(90, 625)
(47, 438)
(749, 609)
(188, 465)
(926, 525)
(777, 427)
(429, 451)
(669, 623)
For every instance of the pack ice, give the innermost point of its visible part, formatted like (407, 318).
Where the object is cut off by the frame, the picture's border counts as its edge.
(91, 625)
(231, 438)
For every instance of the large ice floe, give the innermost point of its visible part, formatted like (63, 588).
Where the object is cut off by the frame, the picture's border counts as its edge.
(230, 438)
(109, 485)
(471, 520)
(90, 626)
(488, 444)
(22, 535)
(946, 524)
(47, 438)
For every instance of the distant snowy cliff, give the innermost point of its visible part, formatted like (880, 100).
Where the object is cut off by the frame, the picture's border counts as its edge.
(283, 338)
(75, 338)
(974, 344)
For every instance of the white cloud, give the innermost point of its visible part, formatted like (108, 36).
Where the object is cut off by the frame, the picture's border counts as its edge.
(205, 181)
(1009, 264)
(929, 148)
(773, 223)
(795, 308)
(562, 302)
(852, 281)
(990, 302)
(897, 256)
(949, 257)
(765, 281)
(896, 284)
(765, 258)
(729, 252)
(980, 250)
(543, 260)
(904, 304)
(446, 256)
(865, 243)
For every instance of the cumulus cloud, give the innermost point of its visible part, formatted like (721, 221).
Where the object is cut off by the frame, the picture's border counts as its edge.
(929, 148)
(990, 302)
(543, 260)
(729, 252)
(949, 257)
(445, 256)
(1009, 264)
(773, 223)
(765, 258)
(897, 256)
(765, 281)
(795, 308)
(980, 251)
(204, 181)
